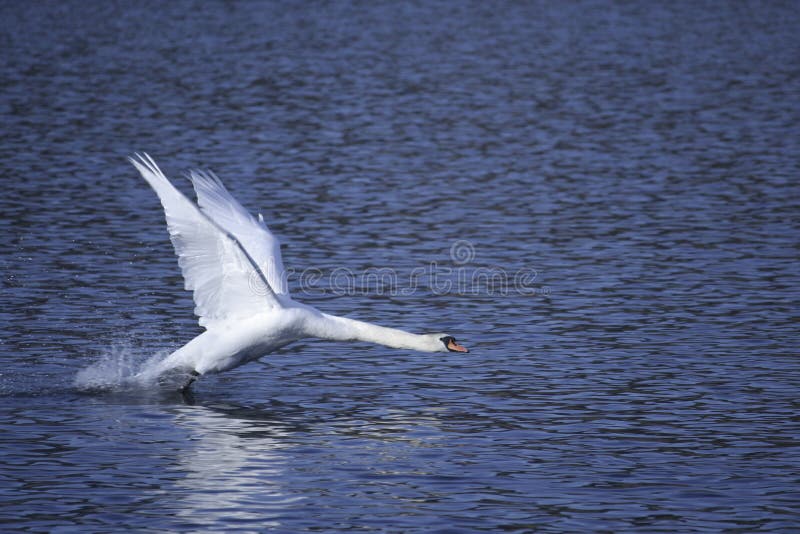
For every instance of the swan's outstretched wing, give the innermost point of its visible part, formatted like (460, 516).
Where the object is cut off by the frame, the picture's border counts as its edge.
(220, 206)
(216, 266)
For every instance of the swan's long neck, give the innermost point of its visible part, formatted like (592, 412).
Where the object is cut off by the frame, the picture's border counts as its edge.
(344, 329)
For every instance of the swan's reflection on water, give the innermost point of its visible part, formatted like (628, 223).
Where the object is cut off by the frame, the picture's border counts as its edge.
(267, 467)
(234, 467)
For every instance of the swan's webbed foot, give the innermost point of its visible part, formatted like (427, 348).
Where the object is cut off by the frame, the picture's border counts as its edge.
(186, 390)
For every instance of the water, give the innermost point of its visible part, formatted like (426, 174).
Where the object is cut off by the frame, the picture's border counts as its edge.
(637, 164)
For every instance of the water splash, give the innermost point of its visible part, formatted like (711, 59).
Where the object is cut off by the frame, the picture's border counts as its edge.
(120, 367)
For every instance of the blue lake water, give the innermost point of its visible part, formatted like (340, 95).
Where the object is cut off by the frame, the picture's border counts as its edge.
(601, 200)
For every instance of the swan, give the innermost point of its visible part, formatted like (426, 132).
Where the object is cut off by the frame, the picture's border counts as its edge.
(232, 264)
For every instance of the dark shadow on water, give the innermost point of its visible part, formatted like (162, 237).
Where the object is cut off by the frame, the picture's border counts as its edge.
(131, 395)
(242, 419)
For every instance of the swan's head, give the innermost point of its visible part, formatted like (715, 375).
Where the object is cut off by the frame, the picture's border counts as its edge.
(446, 343)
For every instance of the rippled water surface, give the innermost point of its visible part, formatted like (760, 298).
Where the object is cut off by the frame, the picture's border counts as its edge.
(602, 199)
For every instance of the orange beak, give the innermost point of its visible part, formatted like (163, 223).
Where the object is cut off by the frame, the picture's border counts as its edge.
(455, 347)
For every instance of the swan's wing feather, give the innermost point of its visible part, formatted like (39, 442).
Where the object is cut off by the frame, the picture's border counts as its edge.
(220, 206)
(216, 267)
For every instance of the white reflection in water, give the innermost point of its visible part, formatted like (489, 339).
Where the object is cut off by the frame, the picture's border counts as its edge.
(236, 470)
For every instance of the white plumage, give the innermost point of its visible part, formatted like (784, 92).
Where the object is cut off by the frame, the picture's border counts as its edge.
(232, 264)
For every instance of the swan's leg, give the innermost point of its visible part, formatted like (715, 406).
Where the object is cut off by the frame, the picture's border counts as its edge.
(187, 386)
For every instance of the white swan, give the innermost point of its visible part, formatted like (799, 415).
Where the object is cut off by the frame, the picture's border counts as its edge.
(233, 265)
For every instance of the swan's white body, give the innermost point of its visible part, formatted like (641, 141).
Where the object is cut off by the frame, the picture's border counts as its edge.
(232, 263)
